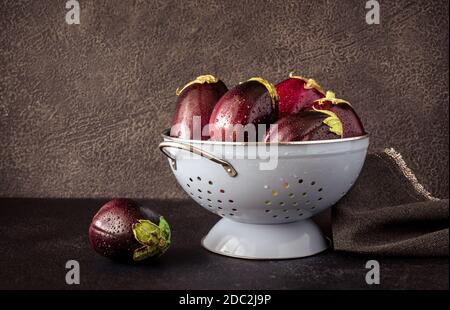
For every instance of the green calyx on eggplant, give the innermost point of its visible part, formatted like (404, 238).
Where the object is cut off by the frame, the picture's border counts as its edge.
(196, 101)
(245, 112)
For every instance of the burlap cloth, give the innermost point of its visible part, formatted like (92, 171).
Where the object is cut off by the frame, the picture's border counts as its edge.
(388, 212)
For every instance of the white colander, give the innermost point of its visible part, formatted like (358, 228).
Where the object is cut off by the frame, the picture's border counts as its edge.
(265, 213)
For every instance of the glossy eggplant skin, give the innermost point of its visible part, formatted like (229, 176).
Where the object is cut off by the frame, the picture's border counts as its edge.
(197, 100)
(303, 126)
(111, 229)
(248, 103)
(351, 123)
(294, 96)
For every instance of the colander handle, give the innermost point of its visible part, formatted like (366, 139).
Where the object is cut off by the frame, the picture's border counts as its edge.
(187, 147)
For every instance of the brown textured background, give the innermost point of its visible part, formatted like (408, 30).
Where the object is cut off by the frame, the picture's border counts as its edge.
(82, 106)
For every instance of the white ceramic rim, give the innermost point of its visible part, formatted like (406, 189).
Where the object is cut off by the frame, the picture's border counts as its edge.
(166, 136)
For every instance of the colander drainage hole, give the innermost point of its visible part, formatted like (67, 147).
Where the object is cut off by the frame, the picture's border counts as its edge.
(199, 190)
(275, 216)
(285, 210)
(199, 178)
(209, 200)
(190, 179)
(222, 190)
(188, 185)
(300, 181)
(220, 208)
(320, 198)
(210, 206)
(286, 217)
(313, 183)
(305, 193)
(192, 194)
(320, 189)
(209, 192)
(312, 208)
(234, 210)
(231, 214)
(219, 201)
(267, 211)
(200, 197)
(210, 182)
(230, 201)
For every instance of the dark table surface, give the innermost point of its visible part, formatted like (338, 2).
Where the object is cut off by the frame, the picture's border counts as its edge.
(38, 236)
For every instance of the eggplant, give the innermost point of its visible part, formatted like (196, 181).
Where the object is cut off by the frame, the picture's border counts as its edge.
(296, 93)
(239, 112)
(196, 100)
(351, 123)
(303, 126)
(126, 231)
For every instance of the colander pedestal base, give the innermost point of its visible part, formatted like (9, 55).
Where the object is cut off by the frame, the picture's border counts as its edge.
(265, 241)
